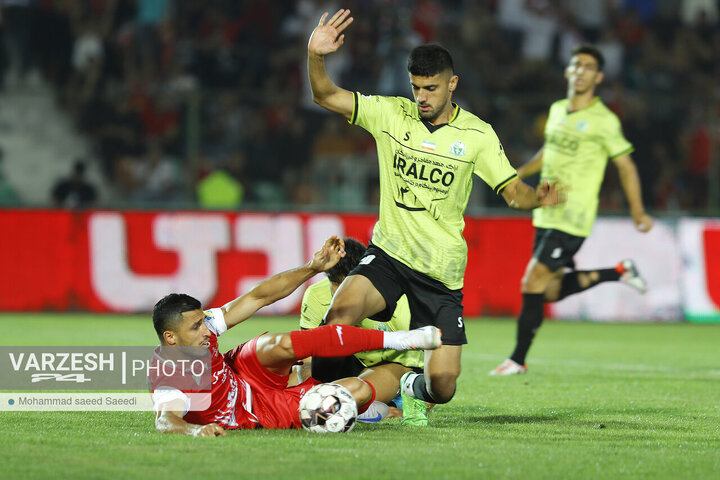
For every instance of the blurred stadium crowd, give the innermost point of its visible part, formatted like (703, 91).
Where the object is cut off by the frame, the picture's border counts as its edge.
(181, 95)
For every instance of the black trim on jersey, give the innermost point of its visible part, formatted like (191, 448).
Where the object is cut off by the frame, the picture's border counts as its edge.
(407, 114)
(411, 209)
(501, 186)
(355, 110)
(432, 128)
(458, 111)
(473, 129)
(448, 124)
(627, 151)
(423, 151)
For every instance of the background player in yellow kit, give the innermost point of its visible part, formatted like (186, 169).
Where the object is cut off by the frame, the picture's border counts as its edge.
(581, 134)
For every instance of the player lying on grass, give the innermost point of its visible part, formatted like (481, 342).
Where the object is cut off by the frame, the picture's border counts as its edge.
(249, 383)
(382, 368)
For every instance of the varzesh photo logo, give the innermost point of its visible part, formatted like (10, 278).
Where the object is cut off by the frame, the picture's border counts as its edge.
(60, 378)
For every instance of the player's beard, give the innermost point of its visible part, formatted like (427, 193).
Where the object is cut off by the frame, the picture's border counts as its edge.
(433, 113)
(430, 115)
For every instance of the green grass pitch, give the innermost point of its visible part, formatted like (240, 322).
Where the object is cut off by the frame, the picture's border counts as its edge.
(599, 401)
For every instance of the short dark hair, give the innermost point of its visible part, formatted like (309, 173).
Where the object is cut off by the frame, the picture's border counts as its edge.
(354, 251)
(168, 311)
(429, 60)
(593, 51)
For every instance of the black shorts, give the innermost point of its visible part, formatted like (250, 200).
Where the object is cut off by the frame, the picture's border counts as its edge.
(556, 249)
(430, 301)
(330, 369)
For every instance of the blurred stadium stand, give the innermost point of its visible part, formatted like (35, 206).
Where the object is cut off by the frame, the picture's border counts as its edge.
(157, 94)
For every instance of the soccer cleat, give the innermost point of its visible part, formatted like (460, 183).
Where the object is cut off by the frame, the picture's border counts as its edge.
(630, 275)
(509, 367)
(375, 413)
(414, 410)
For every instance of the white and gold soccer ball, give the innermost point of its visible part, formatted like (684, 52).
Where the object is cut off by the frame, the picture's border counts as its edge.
(328, 408)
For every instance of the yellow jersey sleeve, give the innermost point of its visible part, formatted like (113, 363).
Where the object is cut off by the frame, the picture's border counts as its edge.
(613, 139)
(375, 112)
(313, 307)
(492, 165)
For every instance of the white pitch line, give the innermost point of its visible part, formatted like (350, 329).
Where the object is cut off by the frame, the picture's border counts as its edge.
(630, 367)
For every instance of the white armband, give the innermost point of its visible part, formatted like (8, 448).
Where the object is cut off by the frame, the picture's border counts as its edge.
(215, 321)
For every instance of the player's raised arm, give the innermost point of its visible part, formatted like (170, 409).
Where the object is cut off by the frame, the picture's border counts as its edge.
(283, 284)
(631, 185)
(522, 196)
(327, 38)
(169, 420)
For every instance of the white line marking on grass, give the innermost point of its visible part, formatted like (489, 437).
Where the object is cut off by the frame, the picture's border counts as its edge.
(630, 367)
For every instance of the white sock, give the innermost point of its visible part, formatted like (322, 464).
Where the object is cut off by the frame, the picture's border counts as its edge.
(393, 340)
(407, 384)
(404, 339)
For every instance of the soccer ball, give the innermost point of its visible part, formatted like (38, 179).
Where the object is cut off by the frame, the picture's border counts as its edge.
(328, 408)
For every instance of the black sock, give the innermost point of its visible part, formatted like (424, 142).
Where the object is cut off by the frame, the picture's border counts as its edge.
(420, 390)
(571, 283)
(531, 316)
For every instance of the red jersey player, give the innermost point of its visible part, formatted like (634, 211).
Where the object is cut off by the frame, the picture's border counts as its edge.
(249, 383)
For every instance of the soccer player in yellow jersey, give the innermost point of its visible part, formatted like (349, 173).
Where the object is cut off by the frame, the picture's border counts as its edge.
(380, 368)
(428, 150)
(581, 134)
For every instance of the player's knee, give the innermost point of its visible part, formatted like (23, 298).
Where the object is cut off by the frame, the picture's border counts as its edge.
(531, 285)
(443, 385)
(536, 280)
(359, 389)
(552, 291)
(284, 345)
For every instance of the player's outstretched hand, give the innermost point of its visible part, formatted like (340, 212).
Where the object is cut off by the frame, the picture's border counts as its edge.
(643, 222)
(209, 430)
(329, 254)
(551, 194)
(328, 37)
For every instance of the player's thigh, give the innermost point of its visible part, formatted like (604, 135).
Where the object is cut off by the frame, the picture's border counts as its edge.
(355, 299)
(385, 379)
(554, 286)
(262, 361)
(537, 277)
(372, 287)
(274, 351)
